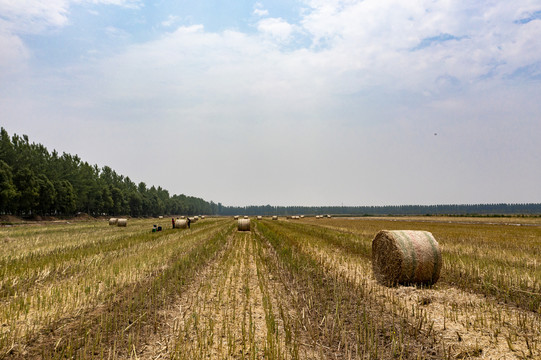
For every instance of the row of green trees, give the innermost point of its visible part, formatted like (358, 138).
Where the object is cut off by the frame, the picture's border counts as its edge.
(36, 181)
(456, 210)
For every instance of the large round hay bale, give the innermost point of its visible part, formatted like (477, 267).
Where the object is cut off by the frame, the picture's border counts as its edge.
(236, 217)
(113, 221)
(275, 217)
(244, 225)
(181, 224)
(406, 257)
(260, 218)
(122, 222)
(246, 217)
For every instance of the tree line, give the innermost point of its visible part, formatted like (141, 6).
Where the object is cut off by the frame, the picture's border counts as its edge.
(34, 181)
(454, 210)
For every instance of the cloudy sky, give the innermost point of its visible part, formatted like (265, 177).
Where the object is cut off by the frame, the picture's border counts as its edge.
(312, 102)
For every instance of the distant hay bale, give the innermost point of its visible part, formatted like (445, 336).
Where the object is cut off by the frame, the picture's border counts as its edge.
(406, 257)
(260, 218)
(236, 217)
(329, 216)
(202, 217)
(113, 221)
(122, 222)
(196, 218)
(275, 217)
(244, 224)
(183, 217)
(302, 216)
(181, 224)
(160, 217)
(246, 217)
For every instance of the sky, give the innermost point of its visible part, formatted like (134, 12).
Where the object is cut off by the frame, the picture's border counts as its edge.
(283, 102)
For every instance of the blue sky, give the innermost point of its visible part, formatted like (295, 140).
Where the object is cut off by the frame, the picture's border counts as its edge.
(285, 102)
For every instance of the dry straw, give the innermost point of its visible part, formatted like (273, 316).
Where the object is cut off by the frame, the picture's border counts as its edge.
(406, 257)
(244, 225)
(113, 221)
(122, 222)
(181, 224)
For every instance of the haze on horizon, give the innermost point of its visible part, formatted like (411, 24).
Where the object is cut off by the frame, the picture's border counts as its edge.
(285, 102)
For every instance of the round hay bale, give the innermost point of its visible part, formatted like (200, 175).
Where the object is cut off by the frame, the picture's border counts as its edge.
(183, 217)
(236, 217)
(260, 218)
(181, 224)
(160, 217)
(275, 217)
(122, 222)
(246, 217)
(113, 221)
(302, 216)
(244, 225)
(202, 217)
(406, 257)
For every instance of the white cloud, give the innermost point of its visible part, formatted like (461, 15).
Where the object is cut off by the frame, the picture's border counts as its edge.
(14, 53)
(259, 10)
(277, 28)
(33, 15)
(171, 20)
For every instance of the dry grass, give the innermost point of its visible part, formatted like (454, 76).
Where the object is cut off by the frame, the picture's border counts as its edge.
(284, 290)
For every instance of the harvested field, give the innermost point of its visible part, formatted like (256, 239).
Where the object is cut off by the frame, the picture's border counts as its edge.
(300, 289)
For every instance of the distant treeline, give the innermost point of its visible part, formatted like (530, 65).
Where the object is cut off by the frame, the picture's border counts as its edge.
(34, 181)
(455, 210)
